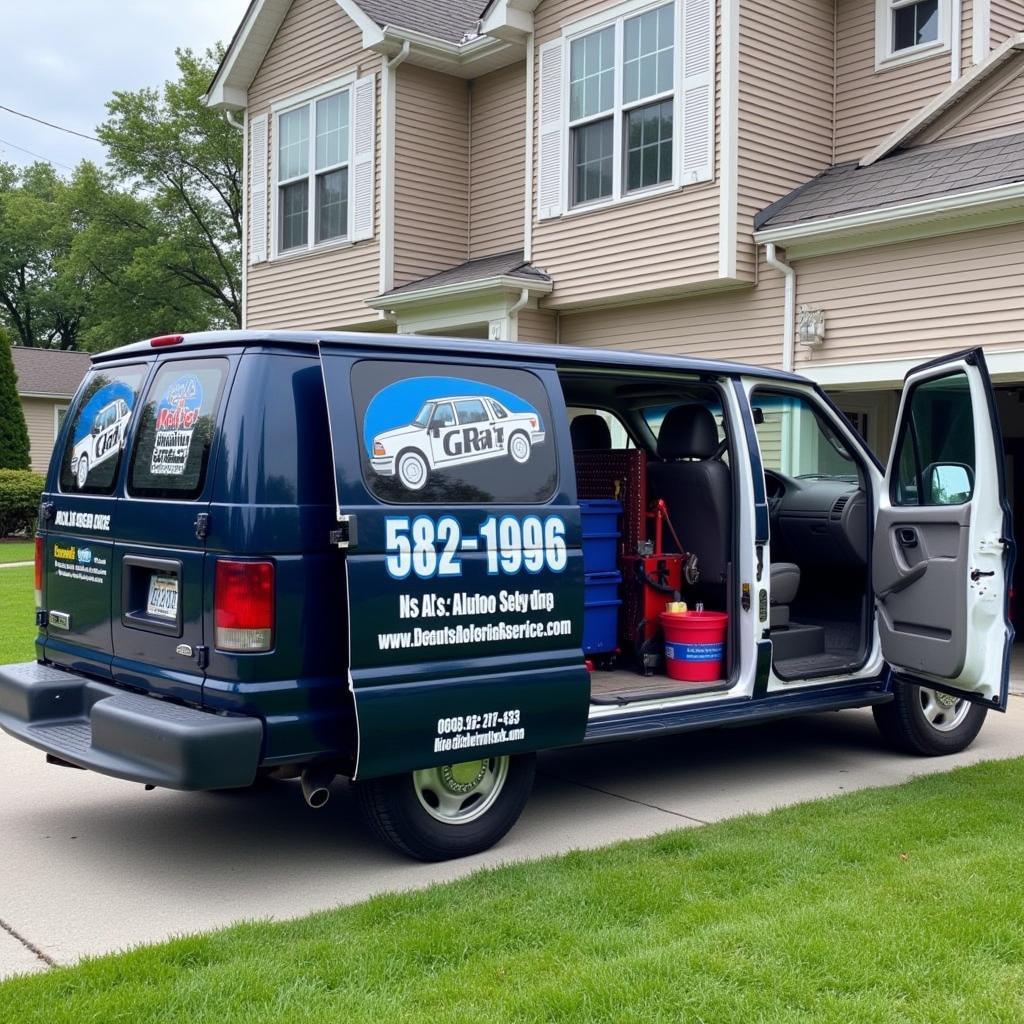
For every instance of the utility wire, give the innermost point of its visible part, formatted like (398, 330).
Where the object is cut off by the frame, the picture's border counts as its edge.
(38, 156)
(49, 124)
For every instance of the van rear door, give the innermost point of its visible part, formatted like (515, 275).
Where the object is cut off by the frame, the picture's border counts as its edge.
(943, 549)
(465, 579)
(78, 531)
(159, 597)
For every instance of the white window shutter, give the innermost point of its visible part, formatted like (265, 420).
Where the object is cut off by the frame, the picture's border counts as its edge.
(364, 144)
(697, 100)
(258, 188)
(551, 150)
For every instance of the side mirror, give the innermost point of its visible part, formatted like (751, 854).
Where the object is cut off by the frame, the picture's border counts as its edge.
(95, 430)
(949, 483)
(434, 431)
(758, 415)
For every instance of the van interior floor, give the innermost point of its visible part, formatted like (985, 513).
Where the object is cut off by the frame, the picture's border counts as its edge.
(823, 641)
(624, 686)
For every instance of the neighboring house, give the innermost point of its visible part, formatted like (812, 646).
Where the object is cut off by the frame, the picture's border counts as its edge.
(47, 381)
(835, 186)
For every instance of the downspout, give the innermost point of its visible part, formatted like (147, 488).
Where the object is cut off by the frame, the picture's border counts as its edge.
(528, 189)
(229, 116)
(513, 313)
(386, 274)
(956, 43)
(789, 309)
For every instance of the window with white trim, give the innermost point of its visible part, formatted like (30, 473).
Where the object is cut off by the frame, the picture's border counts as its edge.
(907, 30)
(622, 83)
(313, 149)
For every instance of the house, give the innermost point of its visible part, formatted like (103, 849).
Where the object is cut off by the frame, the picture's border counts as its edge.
(834, 186)
(47, 381)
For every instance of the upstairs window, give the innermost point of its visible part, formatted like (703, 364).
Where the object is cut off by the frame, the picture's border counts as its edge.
(621, 89)
(626, 105)
(907, 30)
(312, 157)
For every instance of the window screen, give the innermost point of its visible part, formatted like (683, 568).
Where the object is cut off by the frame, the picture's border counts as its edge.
(176, 429)
(92, 453)
(935, 461)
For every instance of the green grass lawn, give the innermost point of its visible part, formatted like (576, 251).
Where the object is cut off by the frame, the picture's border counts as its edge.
(17, 551)
(899, 904)
(17, 615)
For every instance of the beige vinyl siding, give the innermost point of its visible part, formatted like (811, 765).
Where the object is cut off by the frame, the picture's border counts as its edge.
(651, 245)
(1007, 19)
(431, 172)
(497, 164)
(785, 105)
(40, 420)
(966, 35)
(1000, 114)
(536, 325)
(917, 298)
(743, 324)
(870, 104)
(328, 288)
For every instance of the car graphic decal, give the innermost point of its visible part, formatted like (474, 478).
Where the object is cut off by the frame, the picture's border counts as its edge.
(416, 426)
(176, 418)
(101, 429)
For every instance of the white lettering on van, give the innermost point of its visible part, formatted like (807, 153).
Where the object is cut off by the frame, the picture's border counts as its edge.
(83, 520)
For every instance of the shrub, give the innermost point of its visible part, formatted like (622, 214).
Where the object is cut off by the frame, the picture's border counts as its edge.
(13, 432)
(20, 494)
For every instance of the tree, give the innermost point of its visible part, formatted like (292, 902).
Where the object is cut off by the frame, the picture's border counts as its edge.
(14, 444)
(186, 160)
(39, 307)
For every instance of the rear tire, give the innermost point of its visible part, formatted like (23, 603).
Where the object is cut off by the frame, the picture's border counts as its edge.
(82, 471)
(451, 811)
(928, 722)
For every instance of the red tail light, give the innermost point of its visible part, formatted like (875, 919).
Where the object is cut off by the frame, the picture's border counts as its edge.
(39, 572)
(244, 605)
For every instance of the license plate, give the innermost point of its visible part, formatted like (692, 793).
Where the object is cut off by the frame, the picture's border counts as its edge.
(163, 597)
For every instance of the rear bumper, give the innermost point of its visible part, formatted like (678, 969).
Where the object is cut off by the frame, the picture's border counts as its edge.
(127, 735)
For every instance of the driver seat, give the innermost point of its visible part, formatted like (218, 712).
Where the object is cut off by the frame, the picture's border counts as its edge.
(696, 486)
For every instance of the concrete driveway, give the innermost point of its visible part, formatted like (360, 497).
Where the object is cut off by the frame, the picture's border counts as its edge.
(89, 865)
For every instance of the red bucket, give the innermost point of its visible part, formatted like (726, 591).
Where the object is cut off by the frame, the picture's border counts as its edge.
(695, 645)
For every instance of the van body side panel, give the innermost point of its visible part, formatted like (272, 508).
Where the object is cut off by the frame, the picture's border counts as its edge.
(465, 596)
(272, 496)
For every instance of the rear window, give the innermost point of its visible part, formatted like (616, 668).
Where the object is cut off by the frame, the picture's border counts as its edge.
(176, 429)
(92, 452)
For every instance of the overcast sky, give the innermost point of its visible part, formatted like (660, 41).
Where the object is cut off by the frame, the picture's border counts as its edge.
(61, 60)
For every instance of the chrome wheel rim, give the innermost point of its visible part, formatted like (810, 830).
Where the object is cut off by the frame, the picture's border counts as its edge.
(457, 794)
(519, 448)
(942, 711)
(83, 471)
(413, 471)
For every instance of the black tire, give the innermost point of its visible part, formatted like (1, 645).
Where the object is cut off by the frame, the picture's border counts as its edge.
(905, 726)
(393, 811)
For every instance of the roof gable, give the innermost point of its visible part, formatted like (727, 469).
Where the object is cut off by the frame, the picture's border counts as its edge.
(954, 102)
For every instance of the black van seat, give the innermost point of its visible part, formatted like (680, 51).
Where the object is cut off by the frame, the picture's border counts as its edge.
(590, 432)
(785, 578)
(696, 486)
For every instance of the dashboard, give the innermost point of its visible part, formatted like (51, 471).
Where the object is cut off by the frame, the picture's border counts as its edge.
(819, 520)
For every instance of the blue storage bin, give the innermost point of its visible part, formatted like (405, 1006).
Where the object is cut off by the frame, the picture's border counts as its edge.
(601, 612)
(600, 521)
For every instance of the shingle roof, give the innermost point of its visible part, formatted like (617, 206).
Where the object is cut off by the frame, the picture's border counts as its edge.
(907, 176)
(508, 264)
(450, 20)
(48, 371)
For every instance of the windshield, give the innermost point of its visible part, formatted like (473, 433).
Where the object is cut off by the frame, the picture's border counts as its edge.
(423, 416)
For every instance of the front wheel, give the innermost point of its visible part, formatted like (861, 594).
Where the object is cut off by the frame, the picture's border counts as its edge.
(413, 470)
(82, 471)
(928, 722)
(451, 811)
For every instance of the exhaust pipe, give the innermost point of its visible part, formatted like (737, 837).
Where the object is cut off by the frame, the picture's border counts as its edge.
(316, 786)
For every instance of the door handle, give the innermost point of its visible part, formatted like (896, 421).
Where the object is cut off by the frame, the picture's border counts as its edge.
(904, 581)
(907, 537)
(976, 574)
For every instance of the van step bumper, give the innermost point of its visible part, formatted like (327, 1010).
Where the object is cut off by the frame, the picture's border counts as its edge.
(127, 735)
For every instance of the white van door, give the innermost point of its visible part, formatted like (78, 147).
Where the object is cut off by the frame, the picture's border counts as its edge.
(943, 550)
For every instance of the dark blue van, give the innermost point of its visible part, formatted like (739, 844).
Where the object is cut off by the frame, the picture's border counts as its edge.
(416, 563)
